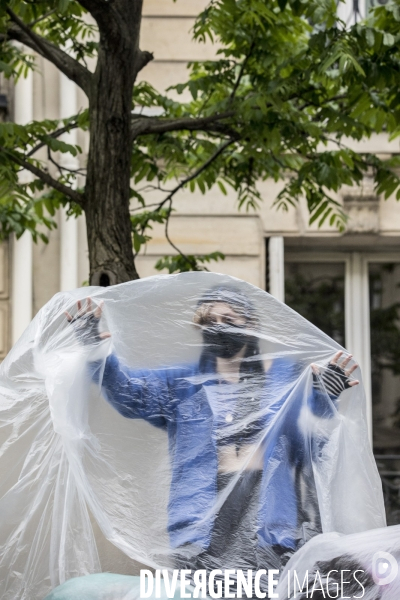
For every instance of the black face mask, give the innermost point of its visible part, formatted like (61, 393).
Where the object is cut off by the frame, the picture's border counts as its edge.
(224, 340)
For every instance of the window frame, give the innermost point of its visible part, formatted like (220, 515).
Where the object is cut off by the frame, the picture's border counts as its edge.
(356, 301)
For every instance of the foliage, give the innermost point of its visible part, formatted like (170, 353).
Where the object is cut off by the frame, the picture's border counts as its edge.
(181, 263)
(288, 91)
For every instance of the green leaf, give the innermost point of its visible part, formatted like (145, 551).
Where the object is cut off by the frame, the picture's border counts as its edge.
(347, 159)
(201, 186)
(388, 39)
(181, 263)
(137, 241)
(222, 187)
(318, 212)
(369, 34)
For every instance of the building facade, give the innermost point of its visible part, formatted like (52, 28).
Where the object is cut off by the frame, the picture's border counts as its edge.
(347, 284)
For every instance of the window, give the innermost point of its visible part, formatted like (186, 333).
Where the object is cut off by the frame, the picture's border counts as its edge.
(384, 293)
(354, 297)
(373, 3)
(316, 291)
(384, 303)
(353, 11)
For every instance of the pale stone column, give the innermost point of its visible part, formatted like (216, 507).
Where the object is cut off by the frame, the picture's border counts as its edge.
(276, 258)
(68, 227)
(22, 278)
(357, 322)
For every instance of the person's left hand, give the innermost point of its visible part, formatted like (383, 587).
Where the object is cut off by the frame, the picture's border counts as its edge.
(336, 375)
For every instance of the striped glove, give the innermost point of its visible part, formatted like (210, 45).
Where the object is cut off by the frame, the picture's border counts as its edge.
(86, 328)
(334, 378)
(86, 322)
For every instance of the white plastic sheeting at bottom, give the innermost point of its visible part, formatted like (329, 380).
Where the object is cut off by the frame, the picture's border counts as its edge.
(196, 423)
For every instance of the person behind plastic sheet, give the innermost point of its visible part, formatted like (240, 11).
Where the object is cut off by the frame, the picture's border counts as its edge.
(215, 413)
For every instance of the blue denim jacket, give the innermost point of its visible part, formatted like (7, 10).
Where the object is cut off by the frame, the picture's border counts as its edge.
(175, 400)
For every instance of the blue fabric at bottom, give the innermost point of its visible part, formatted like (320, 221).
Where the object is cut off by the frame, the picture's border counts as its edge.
(103, 586)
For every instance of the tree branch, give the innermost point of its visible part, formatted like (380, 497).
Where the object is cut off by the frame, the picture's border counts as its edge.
(45, 177)
(170, 196)
(169, 240)
(103, 14)
(61, 168)
(20, 32)
(143, 57)
(152, 125)
(326, 101)
(54, 135)
(198, 172)
(241, 72)
(42, 18)
(109, 21)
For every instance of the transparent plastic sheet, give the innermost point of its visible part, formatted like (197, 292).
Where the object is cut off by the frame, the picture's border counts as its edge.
(194, 437)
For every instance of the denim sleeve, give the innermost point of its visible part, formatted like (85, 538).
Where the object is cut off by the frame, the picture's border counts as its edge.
(135, 394)
(321, 404)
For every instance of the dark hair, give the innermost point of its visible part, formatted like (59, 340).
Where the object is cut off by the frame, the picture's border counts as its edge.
(250, 365)
(228, 295)
(346, 562)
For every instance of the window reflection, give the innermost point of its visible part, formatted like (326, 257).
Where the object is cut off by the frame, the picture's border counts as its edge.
(384, 288)
(384, 285)
(373, 3)
(316, 291)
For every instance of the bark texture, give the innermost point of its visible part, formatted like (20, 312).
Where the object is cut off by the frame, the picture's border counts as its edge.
(106, 202)
(112, 132)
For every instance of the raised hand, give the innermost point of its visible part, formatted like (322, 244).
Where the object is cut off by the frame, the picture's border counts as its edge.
(335, 377)
(86, 322)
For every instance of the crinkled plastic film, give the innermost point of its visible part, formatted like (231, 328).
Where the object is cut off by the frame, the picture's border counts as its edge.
(196, 436)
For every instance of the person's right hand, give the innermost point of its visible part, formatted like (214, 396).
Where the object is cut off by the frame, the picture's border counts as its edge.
(86, 322)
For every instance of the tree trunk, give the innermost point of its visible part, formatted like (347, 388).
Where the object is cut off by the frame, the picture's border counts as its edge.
(109, 161)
